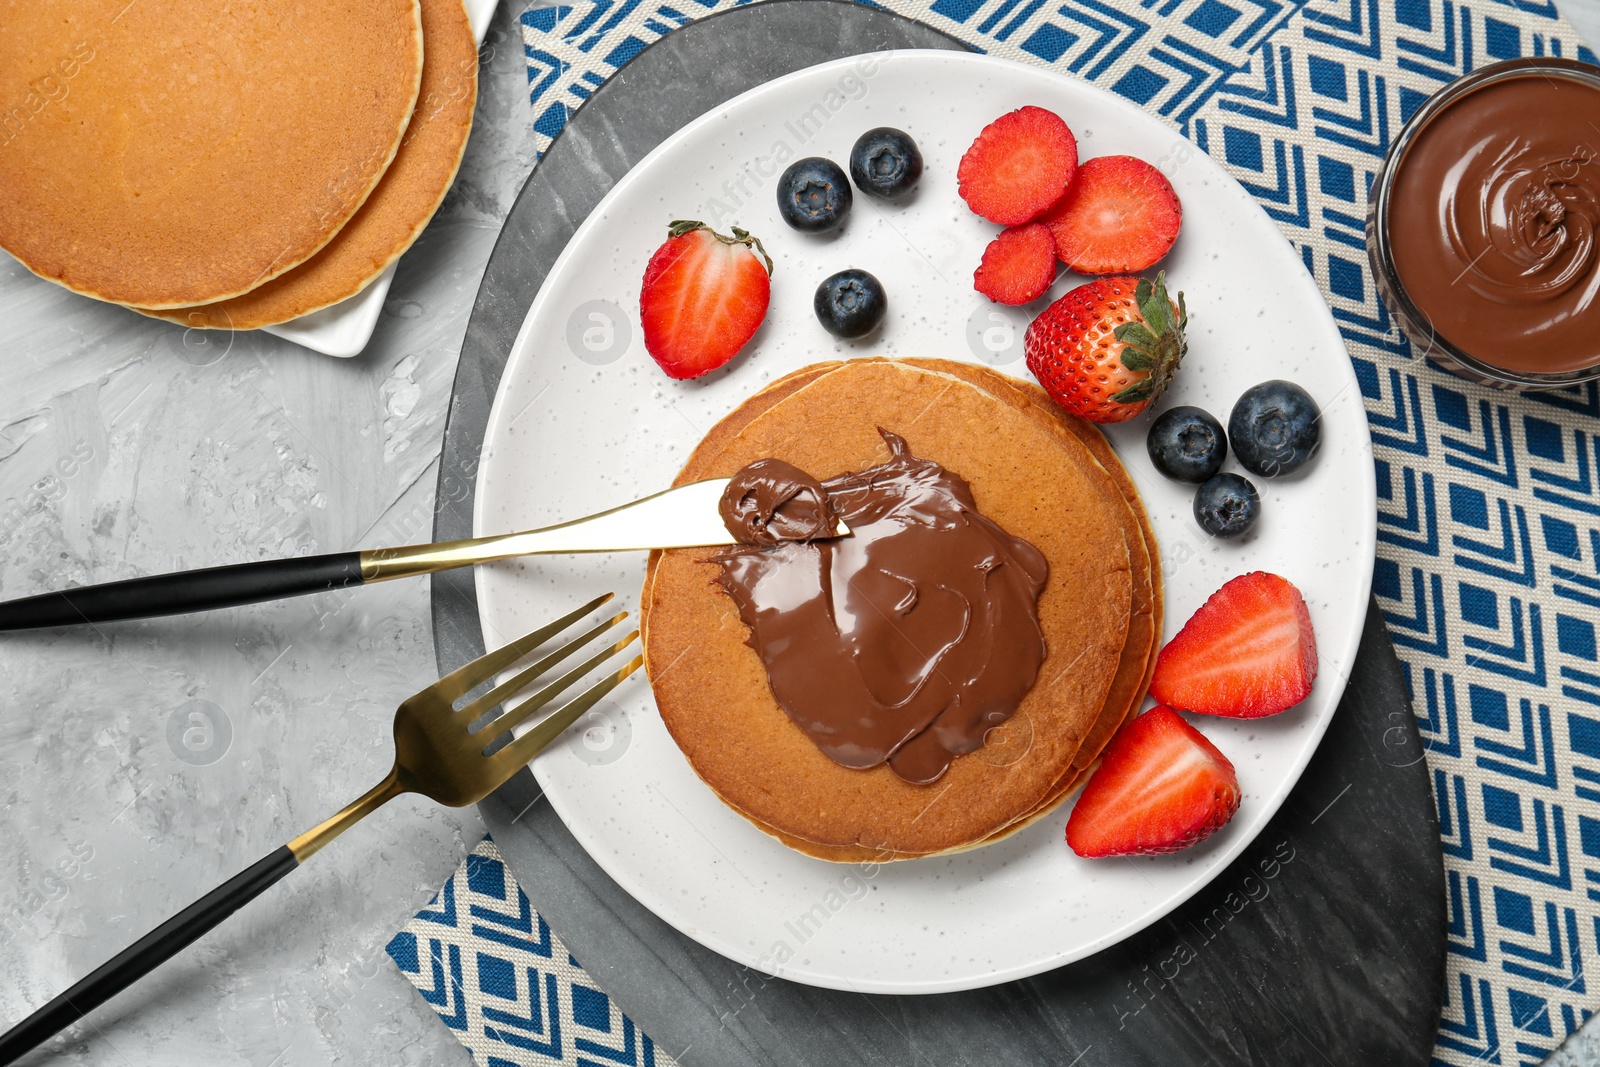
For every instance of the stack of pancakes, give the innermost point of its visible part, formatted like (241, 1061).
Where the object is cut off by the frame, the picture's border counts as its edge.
(227, 165)
(1043, 476)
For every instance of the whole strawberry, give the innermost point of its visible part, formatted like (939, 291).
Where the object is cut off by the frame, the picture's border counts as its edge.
(1109, 348)
(704, 296)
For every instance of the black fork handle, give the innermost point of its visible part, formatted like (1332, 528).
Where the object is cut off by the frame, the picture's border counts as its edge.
(184, 591)
(146, 954)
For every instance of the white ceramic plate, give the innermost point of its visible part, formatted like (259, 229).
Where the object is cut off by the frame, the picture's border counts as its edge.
(585, 420)
(343, 329)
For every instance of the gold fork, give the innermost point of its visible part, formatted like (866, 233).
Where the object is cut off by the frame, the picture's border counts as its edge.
(437, 754)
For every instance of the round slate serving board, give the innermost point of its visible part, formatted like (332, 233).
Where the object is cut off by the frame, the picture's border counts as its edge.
(1324, 942)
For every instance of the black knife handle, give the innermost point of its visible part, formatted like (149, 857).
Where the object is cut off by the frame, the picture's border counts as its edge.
(184, 591)
(146, 954)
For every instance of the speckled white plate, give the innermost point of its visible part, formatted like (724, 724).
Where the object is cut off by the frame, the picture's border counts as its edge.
(584, 420)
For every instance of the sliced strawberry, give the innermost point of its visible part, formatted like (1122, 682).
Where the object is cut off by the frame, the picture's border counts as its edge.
(1019, 165)
(1018, 266)
(1120, 215)
(703, 297)
(1248, 652)
(1106, 350)
(1160, 787)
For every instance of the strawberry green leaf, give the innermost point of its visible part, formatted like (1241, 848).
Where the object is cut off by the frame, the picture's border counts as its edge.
(1158, 314)
(1138, 335)
(1136, 360)
(1133, 394)
(1155, 304)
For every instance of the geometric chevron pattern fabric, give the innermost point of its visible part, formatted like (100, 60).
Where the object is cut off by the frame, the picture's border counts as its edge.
(486, 962)
(1488, 568)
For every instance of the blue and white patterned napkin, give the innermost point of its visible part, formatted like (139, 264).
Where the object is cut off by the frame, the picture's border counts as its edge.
(487, 963)
(1488, 567)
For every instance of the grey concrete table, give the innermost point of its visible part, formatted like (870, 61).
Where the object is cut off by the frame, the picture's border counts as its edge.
(128, 447)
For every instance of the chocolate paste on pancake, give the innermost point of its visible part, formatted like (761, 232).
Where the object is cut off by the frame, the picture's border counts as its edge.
(771, 501)
(904, 643)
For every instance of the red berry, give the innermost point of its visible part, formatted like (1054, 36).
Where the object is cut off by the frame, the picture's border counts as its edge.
(1018, 266)
(1106, 350)
(1160, 787)
(1019, 165)
(1248, 652)
(703, 297)
(1120, 215)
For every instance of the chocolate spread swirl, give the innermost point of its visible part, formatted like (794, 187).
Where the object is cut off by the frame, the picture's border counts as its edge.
(1493, 223)
(771, 501)
(904, 643)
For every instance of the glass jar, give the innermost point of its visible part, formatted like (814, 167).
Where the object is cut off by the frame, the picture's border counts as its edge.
(1535, 231)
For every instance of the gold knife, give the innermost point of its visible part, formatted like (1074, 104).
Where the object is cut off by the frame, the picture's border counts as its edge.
(685, 517)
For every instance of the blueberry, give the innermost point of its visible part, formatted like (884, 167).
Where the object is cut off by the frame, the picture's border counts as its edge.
(814, 195)
(1226, 506)
(1275, 428)
(1187, 444)
(850, 303)
(885, 163)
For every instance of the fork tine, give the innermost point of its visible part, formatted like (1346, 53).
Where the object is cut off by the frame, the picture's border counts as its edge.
(519, 714)
(452, 686)
(519, 752)
(524, 677)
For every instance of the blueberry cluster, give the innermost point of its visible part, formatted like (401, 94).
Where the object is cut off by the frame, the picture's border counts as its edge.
(814, 196)
(1274, 429)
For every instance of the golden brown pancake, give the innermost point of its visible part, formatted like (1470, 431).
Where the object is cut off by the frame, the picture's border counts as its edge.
(711, 687)
(1139, 653)
(398, 209)
(164, 153)
(1144, 628)
(1138, 661)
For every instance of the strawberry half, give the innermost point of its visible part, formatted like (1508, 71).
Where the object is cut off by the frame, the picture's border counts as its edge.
(1019, 165)
(1107, 349)
(1160, 787)
(1248, 652)
(1120, 216)
(703, 297)
(1018, 266)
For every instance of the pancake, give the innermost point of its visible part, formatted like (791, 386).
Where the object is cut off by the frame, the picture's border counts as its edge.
(1144, 628)
(398, 209)
(163, 153)
(1139, 654)
(710, 686)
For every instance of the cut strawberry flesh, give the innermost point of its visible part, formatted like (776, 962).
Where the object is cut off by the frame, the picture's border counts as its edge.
(1161, 786)
(1018, 266)
(1019, 165)
(1248, 652)
(1120, 215)
(702, 299)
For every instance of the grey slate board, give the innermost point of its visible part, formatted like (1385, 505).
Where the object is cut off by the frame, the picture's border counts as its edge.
(1323, 943)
